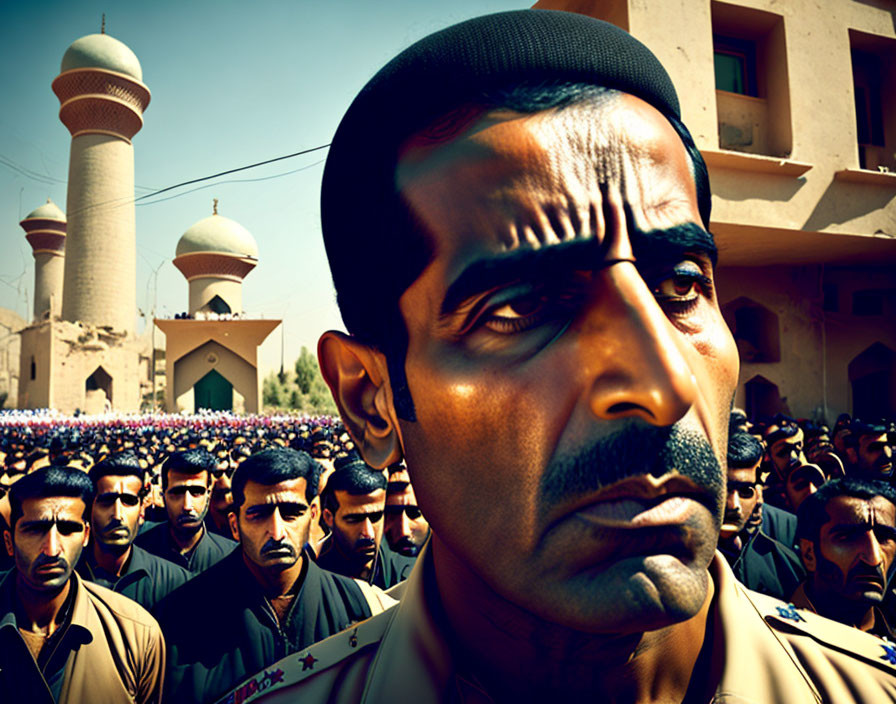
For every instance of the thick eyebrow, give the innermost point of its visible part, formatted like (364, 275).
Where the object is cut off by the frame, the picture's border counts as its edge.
(269, 508)
(45, 524)
(530, 264)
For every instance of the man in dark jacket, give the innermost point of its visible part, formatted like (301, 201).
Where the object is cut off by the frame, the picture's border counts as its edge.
(184, 539)
(266, 599)
(112, 560)
(354, 503)
(759, 562)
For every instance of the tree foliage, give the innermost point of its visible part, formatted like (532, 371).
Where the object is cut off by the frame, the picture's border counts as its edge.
(306, 392)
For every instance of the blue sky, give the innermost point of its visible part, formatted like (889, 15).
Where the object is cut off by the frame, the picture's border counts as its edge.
(232, 83)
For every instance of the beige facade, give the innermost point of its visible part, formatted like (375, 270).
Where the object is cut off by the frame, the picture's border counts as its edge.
(74, 367)
(10, 324)
(801, 149)
(228, 347)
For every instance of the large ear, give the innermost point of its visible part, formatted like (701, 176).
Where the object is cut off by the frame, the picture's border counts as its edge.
(358, 378)
(807, 554)
(7, 541)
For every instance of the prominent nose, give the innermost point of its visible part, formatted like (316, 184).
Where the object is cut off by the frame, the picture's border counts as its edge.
(367, 529)
(640, 368)
(52, 545)
(188, 500)
(872, 554)
(278, 528)
(118, 509)
(733, 502)
(405, 524)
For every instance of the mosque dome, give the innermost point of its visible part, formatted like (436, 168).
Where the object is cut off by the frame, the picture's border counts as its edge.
(218, 234)
(102, 51)
(47, 211)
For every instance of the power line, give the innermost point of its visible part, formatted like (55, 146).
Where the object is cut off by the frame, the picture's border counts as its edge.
(232, 171)
(235, 180)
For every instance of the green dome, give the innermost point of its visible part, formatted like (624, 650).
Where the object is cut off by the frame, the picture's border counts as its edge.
(102, 51)
(48, 211)
(218, 234)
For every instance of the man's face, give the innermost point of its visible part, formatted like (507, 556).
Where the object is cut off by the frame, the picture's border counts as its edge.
(186, 500)
(856, 548)
(571, 372)
(743, 495)
(802, 483)
(222, 479)
(274, 523)
(358, 524)
(48, 540)
(115, 516)
(786, 452)
(875, 456)
(406, 528)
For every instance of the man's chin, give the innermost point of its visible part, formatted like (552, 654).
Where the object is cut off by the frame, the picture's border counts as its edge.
(633, 595)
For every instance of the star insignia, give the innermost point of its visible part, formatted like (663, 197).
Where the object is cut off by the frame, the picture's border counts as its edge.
(889, 653)
(790, 613)
(308, 662)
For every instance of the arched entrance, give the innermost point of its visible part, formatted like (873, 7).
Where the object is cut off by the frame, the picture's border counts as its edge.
(762, 398)
(872, 375)
(213, 392)
(98, 391)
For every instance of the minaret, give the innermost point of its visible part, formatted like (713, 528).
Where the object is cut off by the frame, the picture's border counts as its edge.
(45, 231)
(102, 100)
(215, 255)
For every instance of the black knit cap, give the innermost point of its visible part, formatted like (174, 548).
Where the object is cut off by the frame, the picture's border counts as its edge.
(430, 78)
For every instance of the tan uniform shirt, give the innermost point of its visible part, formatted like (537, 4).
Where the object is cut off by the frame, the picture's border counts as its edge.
(775, 654)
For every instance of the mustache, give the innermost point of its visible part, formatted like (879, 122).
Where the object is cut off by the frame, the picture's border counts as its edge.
(278, 546)
(637, 450)
(364, 543)
(863, 570)
(47, 561)
(733, 517)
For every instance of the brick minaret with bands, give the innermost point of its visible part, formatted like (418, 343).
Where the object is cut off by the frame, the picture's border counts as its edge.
(102, 100)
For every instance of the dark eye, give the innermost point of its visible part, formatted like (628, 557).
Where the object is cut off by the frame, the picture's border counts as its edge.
(517, 315)
(681, 289)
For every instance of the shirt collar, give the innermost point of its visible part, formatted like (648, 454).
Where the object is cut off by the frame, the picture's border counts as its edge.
(414, 661)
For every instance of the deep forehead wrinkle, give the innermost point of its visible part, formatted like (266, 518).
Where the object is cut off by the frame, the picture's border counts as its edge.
(544, 264)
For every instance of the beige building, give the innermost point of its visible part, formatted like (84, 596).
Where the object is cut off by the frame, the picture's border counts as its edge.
(10, 324)
(793, 105)
(81, 352)
(211, 353)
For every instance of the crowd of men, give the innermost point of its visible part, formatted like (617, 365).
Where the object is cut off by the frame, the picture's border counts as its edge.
(242, 539)
(251, 538)
(535, 351)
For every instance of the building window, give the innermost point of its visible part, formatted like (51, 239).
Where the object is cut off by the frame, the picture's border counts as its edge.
(33, 369)
(735, 65)
(874, 81)
(752, 84)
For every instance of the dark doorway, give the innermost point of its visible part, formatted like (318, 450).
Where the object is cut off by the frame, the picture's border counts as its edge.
(872, 375)
(99, 380)
(213, 392)
(763, 399)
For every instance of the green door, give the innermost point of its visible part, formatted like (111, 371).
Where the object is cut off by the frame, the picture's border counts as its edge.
(214, 392)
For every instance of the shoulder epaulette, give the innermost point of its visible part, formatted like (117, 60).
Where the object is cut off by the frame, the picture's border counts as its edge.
(311, 660)
(850, 641)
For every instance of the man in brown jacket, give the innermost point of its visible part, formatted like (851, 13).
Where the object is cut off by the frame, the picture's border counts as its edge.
(516, 222)
(62, 639)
